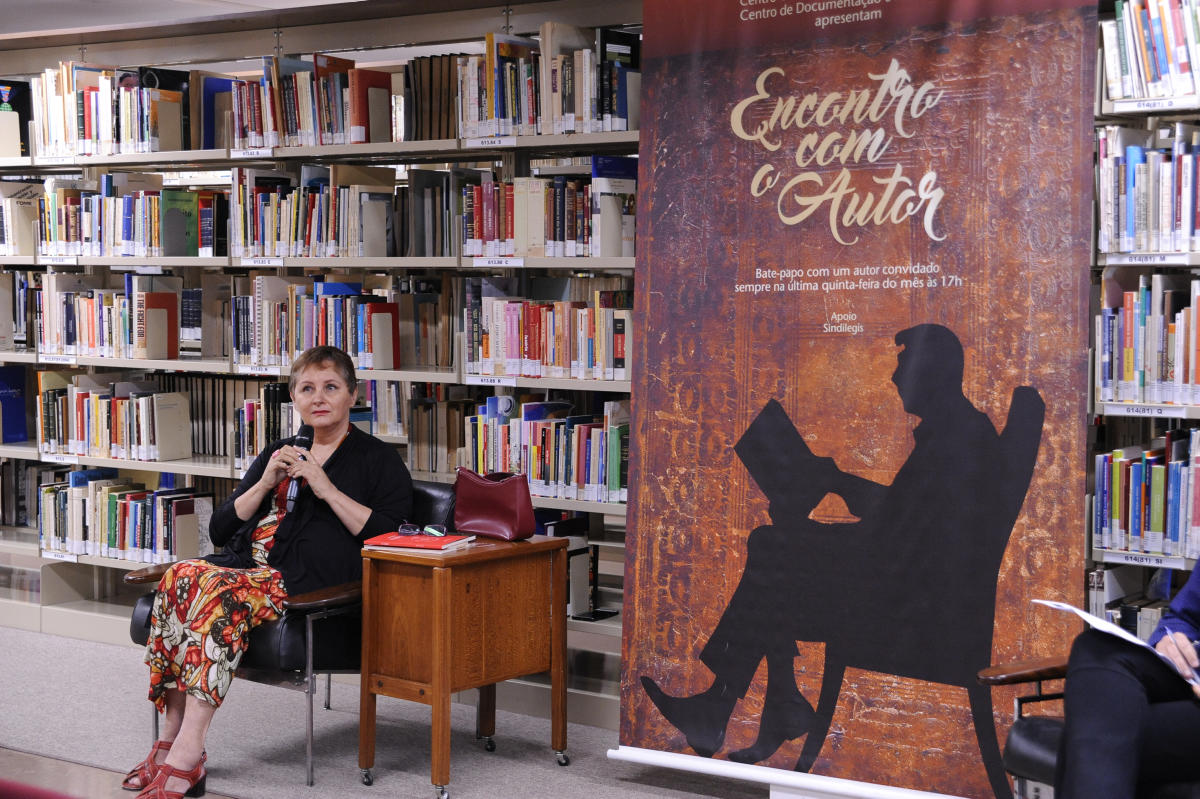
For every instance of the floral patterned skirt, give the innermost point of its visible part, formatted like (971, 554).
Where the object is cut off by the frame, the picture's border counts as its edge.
(200, 626)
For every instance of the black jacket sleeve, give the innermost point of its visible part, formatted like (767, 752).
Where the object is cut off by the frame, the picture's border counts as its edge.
(225, 522)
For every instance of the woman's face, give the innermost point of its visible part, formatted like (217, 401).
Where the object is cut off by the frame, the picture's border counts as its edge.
(323, 398)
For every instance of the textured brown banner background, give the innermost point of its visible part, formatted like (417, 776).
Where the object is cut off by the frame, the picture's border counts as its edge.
(1006, 153)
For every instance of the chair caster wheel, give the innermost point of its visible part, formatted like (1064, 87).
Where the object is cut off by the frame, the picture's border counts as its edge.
(489, 743)
(367, 779)
(440, 792)
(563, 758)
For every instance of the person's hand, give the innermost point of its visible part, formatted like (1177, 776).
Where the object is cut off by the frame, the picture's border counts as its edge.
(276, 470)
(1179, 650)
(307, 469)
(279, 464)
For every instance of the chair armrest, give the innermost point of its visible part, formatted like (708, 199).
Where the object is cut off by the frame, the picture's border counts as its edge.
(335, 596)
(147, 574)
(1036, 670)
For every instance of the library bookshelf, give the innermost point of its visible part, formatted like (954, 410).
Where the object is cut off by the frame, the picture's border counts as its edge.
(82, 595)
(1145, 458)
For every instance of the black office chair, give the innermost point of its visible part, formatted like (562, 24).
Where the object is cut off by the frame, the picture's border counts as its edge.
(320, 632)
(1031, 749)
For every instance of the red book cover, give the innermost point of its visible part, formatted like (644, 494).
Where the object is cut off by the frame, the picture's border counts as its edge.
(383, 331)
(361, 82)
(396, 540)
(156, 325)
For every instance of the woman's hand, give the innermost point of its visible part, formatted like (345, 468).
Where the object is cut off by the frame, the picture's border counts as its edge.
(277, 466)
(299, 464)
(1180, 651)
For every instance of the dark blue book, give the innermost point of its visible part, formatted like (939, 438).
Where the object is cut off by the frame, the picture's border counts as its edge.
(12, 404)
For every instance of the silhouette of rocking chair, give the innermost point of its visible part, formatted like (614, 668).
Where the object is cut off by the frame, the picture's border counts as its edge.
(917, 646)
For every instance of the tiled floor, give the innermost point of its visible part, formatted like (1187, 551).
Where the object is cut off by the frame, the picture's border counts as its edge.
(72, 779)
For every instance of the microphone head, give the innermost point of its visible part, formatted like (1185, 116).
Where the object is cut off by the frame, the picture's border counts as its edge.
(304, 437)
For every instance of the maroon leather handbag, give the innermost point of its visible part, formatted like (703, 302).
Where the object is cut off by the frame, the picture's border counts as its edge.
(495, 505)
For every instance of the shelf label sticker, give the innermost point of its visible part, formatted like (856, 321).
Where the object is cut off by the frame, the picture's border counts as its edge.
(1160, 104)
(1151, 259)
(491, 141)
(1143, 559)
(251, 152)
(66, 557)
(58, 457)
(54, 160)
(1156, 411)
(260, 261)
(256, 369)
(490, 380)
(54, 357)
(510, 262)
(59, 260)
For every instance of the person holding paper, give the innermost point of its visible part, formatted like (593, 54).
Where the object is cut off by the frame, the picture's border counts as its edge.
(275, 542)
(1130, 717)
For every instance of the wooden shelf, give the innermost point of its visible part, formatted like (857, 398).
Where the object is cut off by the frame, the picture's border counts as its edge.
(218, 367)
(18, 356)
(161, 260)
(200, 465)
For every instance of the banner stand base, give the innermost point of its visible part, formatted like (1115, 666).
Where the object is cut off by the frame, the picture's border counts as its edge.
(784, 784)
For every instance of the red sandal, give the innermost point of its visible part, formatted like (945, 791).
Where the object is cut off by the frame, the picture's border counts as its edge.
(157, 789)
(145, 770)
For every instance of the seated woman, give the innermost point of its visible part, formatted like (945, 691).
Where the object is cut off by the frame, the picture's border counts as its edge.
(1130, 718)
(352, 487)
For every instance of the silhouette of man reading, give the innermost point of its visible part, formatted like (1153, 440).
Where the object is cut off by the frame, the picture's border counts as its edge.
(897, 591)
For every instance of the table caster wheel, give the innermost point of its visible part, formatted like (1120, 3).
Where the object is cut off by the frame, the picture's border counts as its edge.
(367, 779)
(489, 743)
(440, 792)
(563, 759)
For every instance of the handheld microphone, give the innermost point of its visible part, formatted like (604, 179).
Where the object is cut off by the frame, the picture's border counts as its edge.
(303, 439)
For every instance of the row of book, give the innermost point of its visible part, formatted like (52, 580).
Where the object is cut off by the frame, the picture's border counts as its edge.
(1146, 496)
(218, 408)
(554, 217)
(1146, 186)
(1151, 49)
(106, 416)
(127, 214)
(267, 323)
(1146, 339)
(19, 482)
(97, 512)
(579, 327)
(568, 80)
(586, 339)
(117, 315)
(384, 328)
(582, 456)
(267, 215)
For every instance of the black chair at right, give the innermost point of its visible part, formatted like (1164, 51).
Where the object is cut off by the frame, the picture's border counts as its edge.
(1031, 749)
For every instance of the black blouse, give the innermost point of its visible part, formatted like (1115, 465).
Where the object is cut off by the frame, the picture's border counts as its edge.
(312, 548)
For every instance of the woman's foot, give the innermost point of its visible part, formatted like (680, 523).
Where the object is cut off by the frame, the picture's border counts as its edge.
(173, 783)
(143, 773)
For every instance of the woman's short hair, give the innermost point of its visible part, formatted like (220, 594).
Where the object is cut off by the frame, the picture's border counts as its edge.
(324, 356)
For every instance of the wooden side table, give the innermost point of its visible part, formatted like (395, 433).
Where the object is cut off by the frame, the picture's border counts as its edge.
(437, 623)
